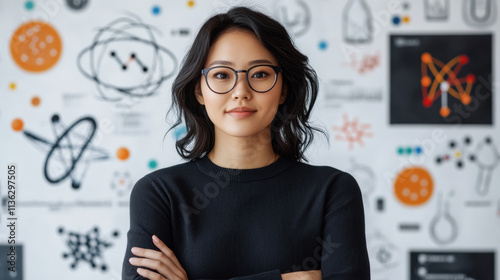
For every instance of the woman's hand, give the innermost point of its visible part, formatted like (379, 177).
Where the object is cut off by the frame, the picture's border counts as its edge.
(302, 275)
(163, 263)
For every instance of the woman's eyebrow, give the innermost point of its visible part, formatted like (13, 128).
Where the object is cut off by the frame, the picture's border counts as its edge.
(229, 63)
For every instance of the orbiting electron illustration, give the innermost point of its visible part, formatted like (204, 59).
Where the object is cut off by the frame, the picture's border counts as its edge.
(486, 157)
(443, 227)
(126, 62)
(441, 86)
(71, 153)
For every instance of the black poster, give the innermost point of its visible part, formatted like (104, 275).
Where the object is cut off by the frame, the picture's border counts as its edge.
(452, 265)
(441, 79)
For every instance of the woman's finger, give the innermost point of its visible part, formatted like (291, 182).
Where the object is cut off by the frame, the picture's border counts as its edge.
(170, 271)
(151, 275)
(169, 253)
(155, 265)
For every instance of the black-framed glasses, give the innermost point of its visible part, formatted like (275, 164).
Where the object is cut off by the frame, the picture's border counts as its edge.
(222, 79)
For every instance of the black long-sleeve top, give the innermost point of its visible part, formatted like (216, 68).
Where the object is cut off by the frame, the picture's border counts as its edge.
(251, 224)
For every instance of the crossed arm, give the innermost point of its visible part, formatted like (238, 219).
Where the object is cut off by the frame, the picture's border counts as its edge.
(163, 264)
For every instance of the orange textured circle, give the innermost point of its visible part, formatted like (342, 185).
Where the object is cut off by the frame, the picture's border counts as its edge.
(17, 124)
(35, 46)
(413, 186)
(35, 101)
(122, 153)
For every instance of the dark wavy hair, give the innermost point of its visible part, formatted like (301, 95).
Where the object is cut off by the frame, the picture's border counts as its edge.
(291, 132)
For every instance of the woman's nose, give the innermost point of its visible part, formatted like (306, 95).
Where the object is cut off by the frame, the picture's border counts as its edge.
(242, 89)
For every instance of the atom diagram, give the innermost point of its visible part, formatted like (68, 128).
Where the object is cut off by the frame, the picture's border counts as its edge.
(70, 154)
(454, 86)
(86, 247)
(353, 132)
(126, 62)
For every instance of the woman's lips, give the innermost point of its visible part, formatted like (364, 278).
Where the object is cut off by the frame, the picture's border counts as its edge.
(241, 114)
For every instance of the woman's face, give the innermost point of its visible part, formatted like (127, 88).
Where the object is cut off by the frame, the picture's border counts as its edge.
(240, 50)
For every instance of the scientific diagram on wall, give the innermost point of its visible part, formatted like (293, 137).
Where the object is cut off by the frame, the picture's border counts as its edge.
(438, 79)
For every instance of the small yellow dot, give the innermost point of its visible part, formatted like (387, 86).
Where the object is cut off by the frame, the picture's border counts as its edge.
(12, 86)
(190, 4)
(458, 154)
(406, 19)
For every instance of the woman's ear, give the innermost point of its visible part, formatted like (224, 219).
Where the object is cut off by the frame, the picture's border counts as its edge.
(283, 94)
(199, 95)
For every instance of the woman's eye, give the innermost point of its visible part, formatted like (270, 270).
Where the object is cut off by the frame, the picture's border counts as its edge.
(260, 75)
(221, 76)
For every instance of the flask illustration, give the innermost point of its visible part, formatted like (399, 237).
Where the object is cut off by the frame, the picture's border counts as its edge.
(357, 22)
(443, 227)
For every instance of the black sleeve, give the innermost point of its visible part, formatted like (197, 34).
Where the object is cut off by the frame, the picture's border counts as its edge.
(344, 253)
(150, 214)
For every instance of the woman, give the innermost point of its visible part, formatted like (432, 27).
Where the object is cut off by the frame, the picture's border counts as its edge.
(245, 207)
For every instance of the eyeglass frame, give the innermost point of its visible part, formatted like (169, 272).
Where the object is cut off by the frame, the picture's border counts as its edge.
(277, 70)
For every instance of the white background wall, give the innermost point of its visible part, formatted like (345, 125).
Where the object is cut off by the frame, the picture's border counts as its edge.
(47, 213)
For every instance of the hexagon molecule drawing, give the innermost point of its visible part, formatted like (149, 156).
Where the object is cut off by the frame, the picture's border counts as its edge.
(87, 247)
(125, 61)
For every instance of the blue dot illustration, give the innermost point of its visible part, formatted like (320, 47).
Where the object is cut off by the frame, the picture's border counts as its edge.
(156, 10)
(323, 45)
(153, 164)
(29, 5)
(418, 150)
(396, 20)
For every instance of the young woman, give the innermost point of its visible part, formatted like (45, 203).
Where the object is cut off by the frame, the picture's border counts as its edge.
(245, 206)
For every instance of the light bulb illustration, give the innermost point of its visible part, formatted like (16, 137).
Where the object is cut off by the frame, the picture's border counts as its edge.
(357, 22)
(443, 227)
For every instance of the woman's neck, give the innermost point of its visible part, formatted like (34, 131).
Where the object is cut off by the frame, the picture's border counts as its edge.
(243, 152)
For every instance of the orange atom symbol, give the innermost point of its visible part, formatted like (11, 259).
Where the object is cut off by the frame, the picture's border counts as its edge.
(413, 186)
(35, 46)
(442, 86)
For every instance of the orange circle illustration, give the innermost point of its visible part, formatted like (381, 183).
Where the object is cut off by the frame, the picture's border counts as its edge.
(35, 46)
(444, 111)
(426, 58)
(122, 153)
(35, 101)
(413, 186)
(17, 124)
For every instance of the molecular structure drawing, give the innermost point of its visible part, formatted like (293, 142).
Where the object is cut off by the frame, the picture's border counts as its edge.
(86, 247)
(446, 82)
(70, 154)
(485, 155)
(353, 132)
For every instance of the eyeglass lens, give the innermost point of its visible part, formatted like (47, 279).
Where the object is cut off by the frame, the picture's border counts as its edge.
(223, 79)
